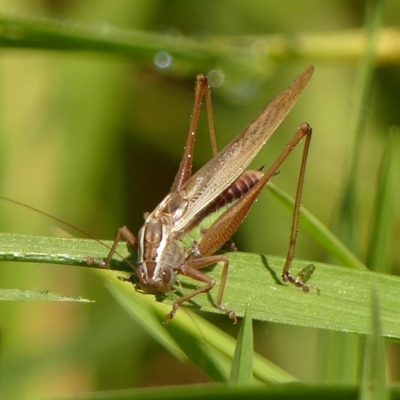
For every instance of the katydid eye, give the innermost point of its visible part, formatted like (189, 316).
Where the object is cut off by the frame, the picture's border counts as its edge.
(166, 275)
(140, 276)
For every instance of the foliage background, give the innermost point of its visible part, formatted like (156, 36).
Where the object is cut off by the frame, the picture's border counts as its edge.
(96, 139)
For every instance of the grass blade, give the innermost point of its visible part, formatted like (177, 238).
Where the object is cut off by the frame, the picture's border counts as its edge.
(222, 392)
(190, 336)
(319, 231)
(362, 91)
(242, 363)
(374, 377)
(43, 295)
(343, 304)
(386, 199)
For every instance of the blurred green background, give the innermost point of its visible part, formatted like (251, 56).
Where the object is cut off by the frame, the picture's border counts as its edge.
(95, 139)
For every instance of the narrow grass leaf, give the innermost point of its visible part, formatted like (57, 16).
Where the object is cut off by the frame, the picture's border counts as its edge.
(42, 295)
(374, 385)
(361, 100)
(242, 363)
(319, 231)
(385, 205)
(188, 334)
(139, 309)
(222, 392)
(54, 250)
(189, 54)
(343, 304)
(338, 357)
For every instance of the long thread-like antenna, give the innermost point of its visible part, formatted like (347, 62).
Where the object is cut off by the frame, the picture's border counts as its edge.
(75, 228)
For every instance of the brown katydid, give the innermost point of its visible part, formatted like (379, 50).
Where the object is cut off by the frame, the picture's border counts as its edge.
(161, 255)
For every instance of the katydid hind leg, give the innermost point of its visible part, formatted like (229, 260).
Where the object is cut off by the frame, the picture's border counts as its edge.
(300, 279)
(227, 224)
(202, 89)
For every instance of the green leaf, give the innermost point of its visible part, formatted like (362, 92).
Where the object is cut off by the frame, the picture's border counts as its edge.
(361, 100)
(374, 384)
(343, 305)
(188, 336)
(65, 251)
(242, 364)
(222, 392)
(43, 295)
(319, 231)
(187, 54)
(195, 53)
(385, 205)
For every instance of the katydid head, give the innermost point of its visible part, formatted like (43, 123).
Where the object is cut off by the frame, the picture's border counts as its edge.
(159, 257)
(161, 280)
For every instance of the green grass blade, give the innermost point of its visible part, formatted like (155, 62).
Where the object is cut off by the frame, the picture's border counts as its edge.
(190, 336)
(242, 363)
(222, 392)
(374, 376)
(187, 54)
(362, 92)
(144, 314)
(343, 304)
(53, 250)
(43, 295)
(46, 33)
(343, 364)
(385, 204)
(338, 357)
(319, 231)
